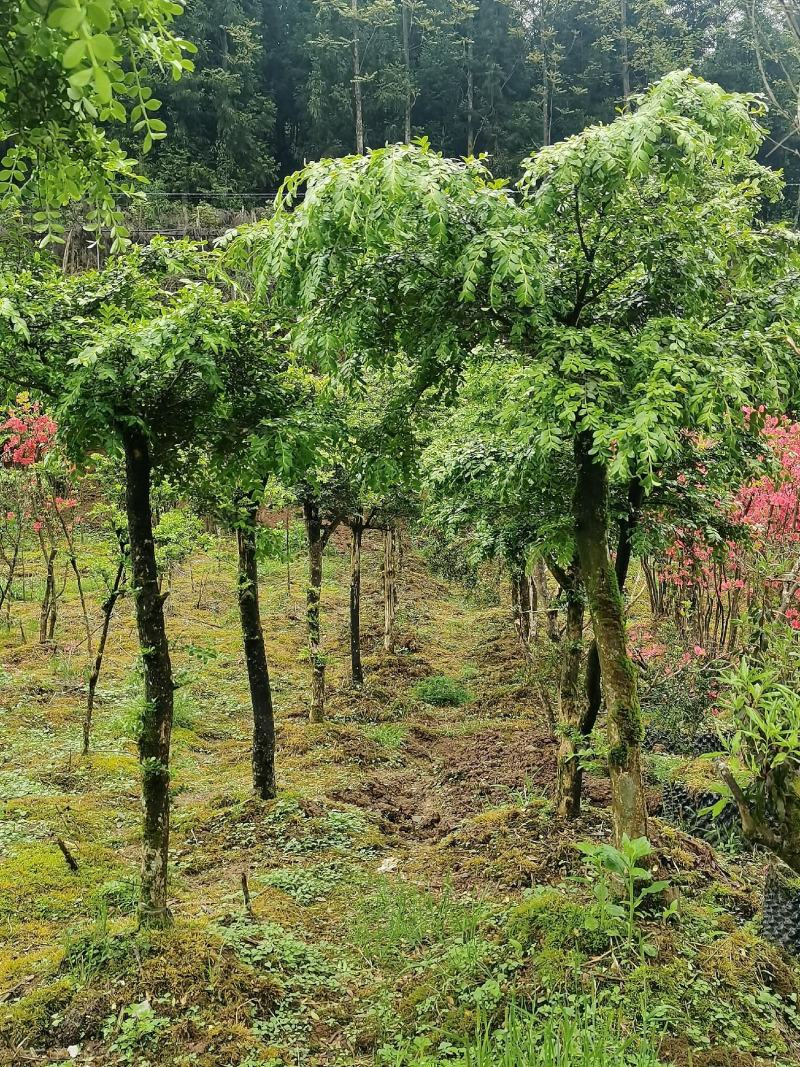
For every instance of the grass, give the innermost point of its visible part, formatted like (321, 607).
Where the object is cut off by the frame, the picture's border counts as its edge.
(377, 935)
(442, 691)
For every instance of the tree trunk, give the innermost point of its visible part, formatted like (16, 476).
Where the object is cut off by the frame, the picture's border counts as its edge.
(255, 655)
(356, 667)
(389, 587)
(619, 677)
(623, 48)
(627, 526)
(358, 102)
(470, 101)
(48, 608)
(108, 608)
(569, 773)
(406, 17)
(156, 727)
(313, 597)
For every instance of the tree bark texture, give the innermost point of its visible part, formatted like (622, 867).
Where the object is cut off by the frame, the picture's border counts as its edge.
(569, 773)
(316, 545)
(356, 666)
(156, 726)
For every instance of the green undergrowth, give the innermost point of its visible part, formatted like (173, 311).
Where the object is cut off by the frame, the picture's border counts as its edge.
(381, 931)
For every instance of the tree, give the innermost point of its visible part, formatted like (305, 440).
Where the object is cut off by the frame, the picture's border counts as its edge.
(133, 359)
(627, 332)
(67, 70)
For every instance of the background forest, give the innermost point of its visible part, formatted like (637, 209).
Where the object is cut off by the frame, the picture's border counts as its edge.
(277, 82)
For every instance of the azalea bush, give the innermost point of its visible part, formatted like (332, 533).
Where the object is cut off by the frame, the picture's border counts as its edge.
(40, 501)
(722, 581)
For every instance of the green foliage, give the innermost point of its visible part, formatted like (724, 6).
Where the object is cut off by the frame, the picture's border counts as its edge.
(618, 873)
(441, 691)
(69, 70)
(546, 1035)
(306, 885)
(134, 1030)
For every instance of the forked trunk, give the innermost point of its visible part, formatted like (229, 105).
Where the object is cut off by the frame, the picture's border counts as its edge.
(628, 524)
(356, 667)
(569, 773)
(255, 655)
(314, 535)
(156, 726)
(619, 678)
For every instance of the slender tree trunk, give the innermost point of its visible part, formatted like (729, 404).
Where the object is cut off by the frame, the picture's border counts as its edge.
(108, 608)
(406, 18)
(389, 587)
(470, 100)
(619, 677)
(5, 593)
(543, 598)
(356, 667)
(545, 99)
(569, 773)
(156, 727)
(358, 101)
(313, 597)
(255, 655)
(48, 601)
(623, 49)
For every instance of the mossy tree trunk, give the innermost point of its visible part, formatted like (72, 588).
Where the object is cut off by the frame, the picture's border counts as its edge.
(156, 726)
(255, 654)
(628, 805)
(628, 524)
(316, 545)
(356, 534)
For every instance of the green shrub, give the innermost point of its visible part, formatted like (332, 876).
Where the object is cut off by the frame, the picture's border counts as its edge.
(441, 691)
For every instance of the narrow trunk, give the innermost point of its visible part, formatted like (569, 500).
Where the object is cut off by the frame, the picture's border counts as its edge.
(569, 773)
(543, 598)
(255, 655)
(619, 678)
(470, 101)
(108, 608)
(545, 99)
(156, 726)
(389, 588)
(406, 15)
(356, 668)
(623, 48)
(313, 597)
(358, 102)
(48, 608)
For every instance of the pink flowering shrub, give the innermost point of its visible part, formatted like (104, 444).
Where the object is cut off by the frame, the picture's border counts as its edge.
(715, 588)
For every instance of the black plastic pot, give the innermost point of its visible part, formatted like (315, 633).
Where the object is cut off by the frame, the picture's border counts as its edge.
(696, 745)
(782, 907)
(683, 807)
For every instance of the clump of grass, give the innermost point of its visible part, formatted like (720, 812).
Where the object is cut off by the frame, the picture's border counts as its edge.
(551, 1036)
(399, 918)
(442, 691)
(389, 734)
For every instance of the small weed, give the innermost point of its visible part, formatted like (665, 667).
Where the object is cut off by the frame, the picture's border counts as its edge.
(621, 886)
(135, 1029)
(306, 885)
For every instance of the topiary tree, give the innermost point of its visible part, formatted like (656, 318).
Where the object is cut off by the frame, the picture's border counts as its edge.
(631, 279)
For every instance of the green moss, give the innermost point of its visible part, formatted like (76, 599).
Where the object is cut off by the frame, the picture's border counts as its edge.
(30, 1018)
(550, 920)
